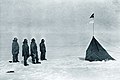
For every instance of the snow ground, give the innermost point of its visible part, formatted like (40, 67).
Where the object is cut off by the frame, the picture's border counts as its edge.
(64, 63)
(67, 68)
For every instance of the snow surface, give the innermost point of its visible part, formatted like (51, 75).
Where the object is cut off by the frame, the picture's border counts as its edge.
(67, 68)
(65, 61)
(65, 54)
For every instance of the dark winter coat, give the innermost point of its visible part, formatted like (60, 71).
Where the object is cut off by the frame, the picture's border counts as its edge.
(42, 47)
(33, 48)
(15, 47)
(25, 50)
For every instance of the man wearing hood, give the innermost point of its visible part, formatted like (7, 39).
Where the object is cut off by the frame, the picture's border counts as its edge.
(25, 51)
(42, 50)
(34, 52)
(15, 50)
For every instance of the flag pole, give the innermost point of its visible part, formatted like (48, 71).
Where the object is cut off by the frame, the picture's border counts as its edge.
(92, 16)
(93, 27)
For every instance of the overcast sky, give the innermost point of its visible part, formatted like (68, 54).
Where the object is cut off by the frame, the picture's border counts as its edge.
(58, 16)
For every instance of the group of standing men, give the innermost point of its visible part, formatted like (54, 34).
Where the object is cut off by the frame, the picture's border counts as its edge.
(25, 51)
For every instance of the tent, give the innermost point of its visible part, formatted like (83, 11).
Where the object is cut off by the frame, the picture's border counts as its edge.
(95, 52)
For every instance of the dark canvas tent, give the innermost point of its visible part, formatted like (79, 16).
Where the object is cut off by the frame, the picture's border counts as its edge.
(95, 52)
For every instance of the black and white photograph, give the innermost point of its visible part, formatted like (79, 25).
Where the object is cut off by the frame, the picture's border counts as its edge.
(59, 39)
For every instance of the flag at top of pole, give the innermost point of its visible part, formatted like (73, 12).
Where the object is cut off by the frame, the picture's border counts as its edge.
(92, 16)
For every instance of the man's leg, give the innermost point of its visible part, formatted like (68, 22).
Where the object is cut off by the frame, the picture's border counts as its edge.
(37, 59)
(44, 56)
(14, 58)
(25, 61)
(17, 58)
(41, 57)
(33, 59)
